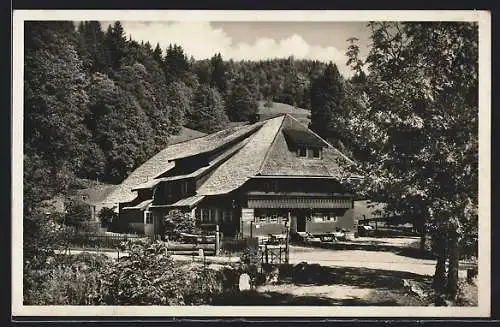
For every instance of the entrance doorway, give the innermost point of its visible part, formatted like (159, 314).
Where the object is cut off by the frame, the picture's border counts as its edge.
(301, 221)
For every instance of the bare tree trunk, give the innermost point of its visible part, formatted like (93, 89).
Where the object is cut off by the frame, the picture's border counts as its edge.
(452, 284)
(439, 281)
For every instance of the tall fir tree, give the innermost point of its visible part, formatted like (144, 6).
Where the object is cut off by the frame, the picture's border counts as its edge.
(91, 47)
(327, 98)
(218, 75)
(176, 65)
(158, 54)
(116, 45)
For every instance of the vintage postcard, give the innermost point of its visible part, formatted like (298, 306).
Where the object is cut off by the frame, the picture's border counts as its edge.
(251, 163)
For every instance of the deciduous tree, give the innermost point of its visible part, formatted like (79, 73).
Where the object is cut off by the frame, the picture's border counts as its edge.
(207, 112)
(419, 126)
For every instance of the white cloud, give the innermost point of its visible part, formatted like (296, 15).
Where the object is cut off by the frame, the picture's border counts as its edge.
(202, 40)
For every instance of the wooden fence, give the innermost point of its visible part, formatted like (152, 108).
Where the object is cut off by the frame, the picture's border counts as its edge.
(102, 241)
(191, 244)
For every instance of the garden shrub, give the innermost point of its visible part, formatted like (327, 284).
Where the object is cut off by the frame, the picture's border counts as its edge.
(202, 285)
(65, 280)
(177, 222)
(107, 216)
(77, 214)
(147, 276)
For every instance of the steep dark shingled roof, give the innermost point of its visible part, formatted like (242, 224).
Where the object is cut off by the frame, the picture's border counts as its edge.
(160, 162)
(302, 137)
(282, 161)
(262, 149)
(267, 153)
(243, 164)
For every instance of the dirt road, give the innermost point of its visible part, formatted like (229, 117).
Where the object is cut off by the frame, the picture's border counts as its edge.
(363, 259)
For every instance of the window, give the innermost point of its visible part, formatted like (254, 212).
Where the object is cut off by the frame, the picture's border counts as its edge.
(147, 217)
(227, 216)
(271, 216)
(274, 218)
(331, 218)
(301, 152)
(168, 191)
(261, 220)
(319, 217)
(206, 215)
(184, 188)
(309, 152)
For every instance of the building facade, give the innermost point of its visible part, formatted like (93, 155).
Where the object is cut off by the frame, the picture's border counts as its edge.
(256, 179)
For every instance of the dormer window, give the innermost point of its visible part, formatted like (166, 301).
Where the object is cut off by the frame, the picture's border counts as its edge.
(309, 152)
(304, 142)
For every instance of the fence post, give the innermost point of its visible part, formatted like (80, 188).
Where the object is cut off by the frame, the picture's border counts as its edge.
(287, 248)
(217, 240)
(267, 253)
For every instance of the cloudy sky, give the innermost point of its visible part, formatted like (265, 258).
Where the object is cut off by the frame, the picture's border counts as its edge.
(325, 41)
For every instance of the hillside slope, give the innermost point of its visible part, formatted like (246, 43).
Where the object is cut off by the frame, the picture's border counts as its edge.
(302, 115)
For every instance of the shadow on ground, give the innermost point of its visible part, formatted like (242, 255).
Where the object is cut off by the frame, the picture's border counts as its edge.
(377, 246)
(387, 287)
(312, 274)
(254, 298)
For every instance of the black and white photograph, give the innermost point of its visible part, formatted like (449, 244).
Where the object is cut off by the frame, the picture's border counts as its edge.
(218, 163)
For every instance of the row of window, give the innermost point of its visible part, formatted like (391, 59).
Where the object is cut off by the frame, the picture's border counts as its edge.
(263, 216)
(323, 217)
(281, 217)
(309, 152)
(209, 215)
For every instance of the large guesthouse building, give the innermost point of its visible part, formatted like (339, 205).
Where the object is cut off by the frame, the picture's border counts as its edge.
(255, 179)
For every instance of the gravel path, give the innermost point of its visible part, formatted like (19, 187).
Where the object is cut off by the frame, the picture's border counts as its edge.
(362, 259)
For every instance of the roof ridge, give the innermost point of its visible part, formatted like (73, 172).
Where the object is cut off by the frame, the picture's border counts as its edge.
(252, 129)
(328, 143)
(266, 157)
(205, 135)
